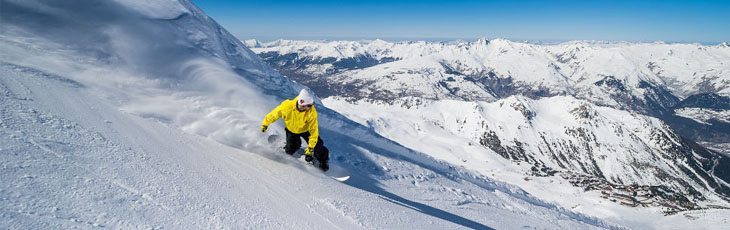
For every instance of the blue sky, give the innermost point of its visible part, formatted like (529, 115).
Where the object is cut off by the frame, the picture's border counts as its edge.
(648, 20)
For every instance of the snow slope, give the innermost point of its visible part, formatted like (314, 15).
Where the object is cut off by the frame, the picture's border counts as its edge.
(128, 114)
(73, 160)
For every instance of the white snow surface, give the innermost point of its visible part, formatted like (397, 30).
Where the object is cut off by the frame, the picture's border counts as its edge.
(109, 119)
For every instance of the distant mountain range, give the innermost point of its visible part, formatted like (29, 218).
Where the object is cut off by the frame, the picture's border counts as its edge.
(647, 77)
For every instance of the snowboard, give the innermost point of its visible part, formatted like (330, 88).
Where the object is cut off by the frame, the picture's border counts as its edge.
(335, 172)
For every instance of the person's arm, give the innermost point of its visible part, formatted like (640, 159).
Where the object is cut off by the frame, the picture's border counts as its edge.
(274, 115)
(313, 131)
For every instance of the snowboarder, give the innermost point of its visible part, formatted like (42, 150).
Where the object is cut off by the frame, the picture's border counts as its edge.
(300, 121)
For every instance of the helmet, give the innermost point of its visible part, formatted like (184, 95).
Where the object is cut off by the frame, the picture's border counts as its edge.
(305, 98)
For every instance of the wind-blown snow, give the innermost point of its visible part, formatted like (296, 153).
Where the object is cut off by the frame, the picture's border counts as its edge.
(187, 87)
(156, 9)
(109, 119)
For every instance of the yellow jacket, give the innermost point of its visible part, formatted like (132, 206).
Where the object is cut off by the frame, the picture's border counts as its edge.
(296, 121)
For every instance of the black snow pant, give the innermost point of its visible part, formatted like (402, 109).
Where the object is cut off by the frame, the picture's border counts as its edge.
(294, 142)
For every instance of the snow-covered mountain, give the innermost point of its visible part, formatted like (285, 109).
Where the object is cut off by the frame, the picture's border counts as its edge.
(145, 114)
(592, 147)
(575, 114)
(645, 77)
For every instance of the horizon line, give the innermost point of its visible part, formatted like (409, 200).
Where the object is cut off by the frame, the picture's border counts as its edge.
(452, 39)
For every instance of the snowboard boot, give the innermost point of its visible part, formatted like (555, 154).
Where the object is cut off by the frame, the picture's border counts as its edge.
(324, 166)
(288, 153)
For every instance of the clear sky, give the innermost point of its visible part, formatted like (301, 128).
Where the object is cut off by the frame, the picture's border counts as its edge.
(641, 20)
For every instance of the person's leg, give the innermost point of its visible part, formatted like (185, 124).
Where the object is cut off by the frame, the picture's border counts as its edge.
(321, 153)
(293, 142)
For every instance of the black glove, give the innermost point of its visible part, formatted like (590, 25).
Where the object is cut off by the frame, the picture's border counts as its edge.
(308, 158)
(264, 128)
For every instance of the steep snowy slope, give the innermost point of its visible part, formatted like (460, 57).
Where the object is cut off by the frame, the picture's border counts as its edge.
(131, 114)
(559, 142)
